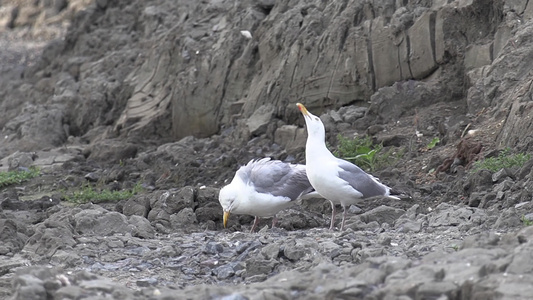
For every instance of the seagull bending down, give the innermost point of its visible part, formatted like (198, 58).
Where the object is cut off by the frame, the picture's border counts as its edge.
(264, 187)
(337, 180)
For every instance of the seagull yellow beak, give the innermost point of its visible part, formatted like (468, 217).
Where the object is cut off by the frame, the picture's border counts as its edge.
(225, 218)
(302, 109)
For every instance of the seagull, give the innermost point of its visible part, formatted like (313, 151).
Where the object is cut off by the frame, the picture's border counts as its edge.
(337, 180)
(264, 187)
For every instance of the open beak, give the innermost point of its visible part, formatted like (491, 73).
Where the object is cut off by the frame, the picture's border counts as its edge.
(225, 218)
(303, 109)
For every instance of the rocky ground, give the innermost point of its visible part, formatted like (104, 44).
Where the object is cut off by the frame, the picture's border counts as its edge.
(463, 234)
(168, 241)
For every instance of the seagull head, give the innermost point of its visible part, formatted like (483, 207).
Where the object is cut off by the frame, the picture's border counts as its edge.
(315, 127)
(227, 198)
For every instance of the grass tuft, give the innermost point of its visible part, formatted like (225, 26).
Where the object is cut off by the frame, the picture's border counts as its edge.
(526, 221)
(504, 160)
(16, 177)
(93, 195)
(364, 153)
(433, 143)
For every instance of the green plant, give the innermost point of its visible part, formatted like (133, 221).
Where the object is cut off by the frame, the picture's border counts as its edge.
(364, 153)
(91, 194)
(433, 143)
(15, 177)
(504, 160)
(526, 221)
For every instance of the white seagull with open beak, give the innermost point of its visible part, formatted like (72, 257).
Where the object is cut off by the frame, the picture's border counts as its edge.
(337, 180)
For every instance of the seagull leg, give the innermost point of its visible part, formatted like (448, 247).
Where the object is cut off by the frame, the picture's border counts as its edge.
(256, 220)
(343, 218)
(333, 213)
(274, 221)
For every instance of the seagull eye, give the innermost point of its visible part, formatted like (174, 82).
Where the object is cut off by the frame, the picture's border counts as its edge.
(316, 118)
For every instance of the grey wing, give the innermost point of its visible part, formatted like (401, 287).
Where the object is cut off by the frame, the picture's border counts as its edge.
(246, 171)
(280, 179)
(361, 181)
